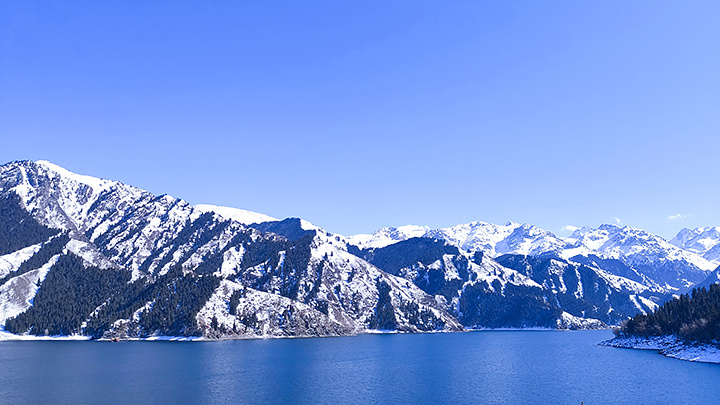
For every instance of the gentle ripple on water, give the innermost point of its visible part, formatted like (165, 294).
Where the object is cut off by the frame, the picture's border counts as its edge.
(476, 367)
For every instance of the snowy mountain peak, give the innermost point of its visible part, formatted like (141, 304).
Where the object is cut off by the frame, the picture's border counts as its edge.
(704, 241)
(387, 236)
(55, 170)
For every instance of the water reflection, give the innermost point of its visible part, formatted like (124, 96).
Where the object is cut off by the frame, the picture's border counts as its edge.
(475, 367)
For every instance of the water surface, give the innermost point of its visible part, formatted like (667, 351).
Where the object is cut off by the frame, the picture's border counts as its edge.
(474, 367)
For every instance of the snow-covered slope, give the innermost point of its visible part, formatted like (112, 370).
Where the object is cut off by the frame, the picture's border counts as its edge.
(12, 261)
(704, 241)
(523, 291)
(144, 265)
(712, 278)
(387, 236)
(475, 236)
(654, 261)
(16, 295)
(236, 214)
(489, 238)
(650, 254)
(180, 260)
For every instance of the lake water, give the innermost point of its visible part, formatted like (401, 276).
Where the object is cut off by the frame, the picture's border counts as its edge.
(528, 367)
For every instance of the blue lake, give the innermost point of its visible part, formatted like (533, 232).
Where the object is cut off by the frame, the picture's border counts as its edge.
(476, 367)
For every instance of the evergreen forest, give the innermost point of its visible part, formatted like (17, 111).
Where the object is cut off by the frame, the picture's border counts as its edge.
(694, 316)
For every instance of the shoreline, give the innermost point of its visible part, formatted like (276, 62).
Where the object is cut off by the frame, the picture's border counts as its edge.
(11, 337)
(669, 346)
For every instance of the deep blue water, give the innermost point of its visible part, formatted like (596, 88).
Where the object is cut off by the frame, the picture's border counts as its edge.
(529, 367)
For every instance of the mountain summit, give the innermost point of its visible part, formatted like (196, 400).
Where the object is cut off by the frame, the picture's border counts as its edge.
(139, 265)
(86, 256)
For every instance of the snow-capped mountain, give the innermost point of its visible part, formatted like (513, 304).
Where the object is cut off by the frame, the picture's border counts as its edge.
(141, 265)
(523, 291)
(475, 236)
(646, 258)
(649, 254)
(703, 241)
(491, 239)
(387, 236)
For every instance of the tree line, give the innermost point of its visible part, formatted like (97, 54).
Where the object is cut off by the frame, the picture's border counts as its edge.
(694, 316)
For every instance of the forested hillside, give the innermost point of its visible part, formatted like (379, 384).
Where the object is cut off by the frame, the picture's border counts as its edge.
(694, 316)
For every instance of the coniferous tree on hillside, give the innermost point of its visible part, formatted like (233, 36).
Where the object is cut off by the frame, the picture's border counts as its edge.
(49, 249)
(67, 296)
(176, 301)
(18, 229)
(694, 316)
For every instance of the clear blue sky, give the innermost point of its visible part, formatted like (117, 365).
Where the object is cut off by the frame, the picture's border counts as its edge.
(368, 114)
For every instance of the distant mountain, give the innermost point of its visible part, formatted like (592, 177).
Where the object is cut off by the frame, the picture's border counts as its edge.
(492, 239)
(89, 256)
(650, 255)
(513, 238)
(387, 236)
(587, 291)
(522, 291)
(622, 251)
(703, 241)
(95, 257)
(479, 292)
(712, 278)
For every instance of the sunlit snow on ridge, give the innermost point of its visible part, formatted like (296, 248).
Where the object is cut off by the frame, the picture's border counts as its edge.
(235, 214)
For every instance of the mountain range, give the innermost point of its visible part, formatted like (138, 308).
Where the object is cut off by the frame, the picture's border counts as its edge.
(86, 256)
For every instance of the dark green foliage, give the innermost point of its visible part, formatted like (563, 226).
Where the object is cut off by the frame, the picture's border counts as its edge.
(424, 320)
(177, 300)
(384, 316)
(519, 307)
(693, 316)
(407, 253)
(195, 234)
(18, 229)
(66, 298)
(294, 267)
(598, 299)
(234, 301)
(49, 249)
(122, 305)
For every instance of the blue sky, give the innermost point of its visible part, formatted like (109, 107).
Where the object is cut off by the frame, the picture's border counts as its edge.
(368, 114)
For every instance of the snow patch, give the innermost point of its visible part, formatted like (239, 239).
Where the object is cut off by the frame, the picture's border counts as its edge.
(17, 295)
(12, 261)
(572, 322)
(670, 346)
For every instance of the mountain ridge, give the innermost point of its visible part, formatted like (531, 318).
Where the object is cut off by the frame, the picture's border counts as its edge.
(245, 274)
(653, 259)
